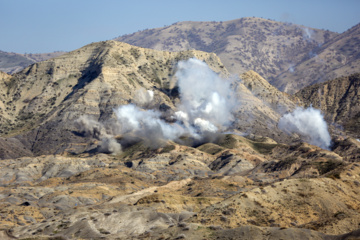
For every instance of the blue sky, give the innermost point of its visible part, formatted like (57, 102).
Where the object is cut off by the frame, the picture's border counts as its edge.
(36, 26)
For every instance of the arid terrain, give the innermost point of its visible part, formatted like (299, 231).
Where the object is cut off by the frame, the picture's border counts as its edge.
(114, 141)
(289, 56)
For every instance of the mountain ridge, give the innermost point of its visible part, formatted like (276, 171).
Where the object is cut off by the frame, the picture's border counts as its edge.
(265, 46)
(338, 57)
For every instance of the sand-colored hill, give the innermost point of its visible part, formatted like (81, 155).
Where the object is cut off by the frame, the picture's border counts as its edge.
(338, 57)
(90, 81)
(264, 46)
(44, 100)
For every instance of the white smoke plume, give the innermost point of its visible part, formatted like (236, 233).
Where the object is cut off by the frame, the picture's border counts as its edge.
(147, 125)
(90, 127)
(308, 33)
(143, 97)
(204, 96)
(206, 104)
(205, 107)
(110, 145)
(309, 123)
(291, 68)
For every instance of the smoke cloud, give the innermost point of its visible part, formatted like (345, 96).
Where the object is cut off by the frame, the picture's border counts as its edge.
(309, 123)
(206, 102)
(205, 108)
(147, 125)
(91, 128)
(143, 97)
(204, 96)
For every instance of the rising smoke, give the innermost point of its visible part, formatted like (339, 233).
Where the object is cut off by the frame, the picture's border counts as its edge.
(147, 125)
(143, 98)
(308, 34)
(205, 108)
(91, 128)
(309, 123)
(207, 100)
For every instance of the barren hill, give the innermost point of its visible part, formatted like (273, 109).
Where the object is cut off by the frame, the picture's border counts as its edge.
(45, 99)
(264, 46)
(336, 58)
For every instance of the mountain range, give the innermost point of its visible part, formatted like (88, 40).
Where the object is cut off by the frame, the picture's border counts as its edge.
(15, 62)
(279, 52)
(116, 141)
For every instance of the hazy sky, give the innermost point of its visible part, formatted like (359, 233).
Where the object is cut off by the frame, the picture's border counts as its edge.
(36, 26)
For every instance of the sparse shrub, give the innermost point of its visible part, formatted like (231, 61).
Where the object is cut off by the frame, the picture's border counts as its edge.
(325, 167)
(284, 164)
(334, 175)
(167, 148)
(103, 231)
(224, 219)
(181, 236)
(212, 227)
(135, 53)
(305, 195)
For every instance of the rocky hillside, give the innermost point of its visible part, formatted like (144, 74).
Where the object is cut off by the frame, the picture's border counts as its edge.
(43, 101)
(336, 58)
(15, 62)
(264, 46)
(339, 99)
(73, 167)
(4, 110)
